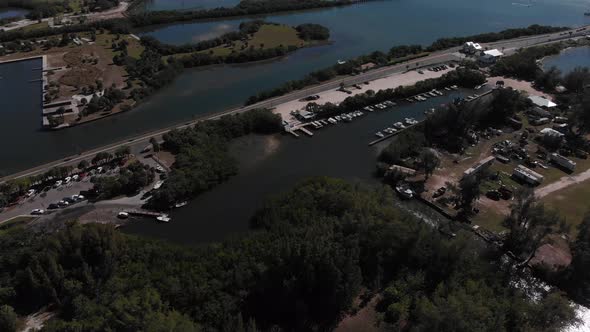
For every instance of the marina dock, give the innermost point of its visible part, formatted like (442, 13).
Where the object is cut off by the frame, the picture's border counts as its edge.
(143, 213)
(306, 131)
(381, 139)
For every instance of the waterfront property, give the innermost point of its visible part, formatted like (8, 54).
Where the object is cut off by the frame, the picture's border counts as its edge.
(542, 102)
(472, 48)
(490, 56)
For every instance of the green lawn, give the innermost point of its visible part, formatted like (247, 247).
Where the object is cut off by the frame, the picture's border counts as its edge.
(490, 220)
(15, 221)
(134, 49)
(571, 203)
(268, 36)
(35, 26)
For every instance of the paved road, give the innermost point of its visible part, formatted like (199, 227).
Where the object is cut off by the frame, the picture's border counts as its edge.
(141, 141)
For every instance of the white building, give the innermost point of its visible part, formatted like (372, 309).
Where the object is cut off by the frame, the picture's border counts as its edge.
(490, 56)
(471, 47)
(542, 101)
(563, 161)
(551, 132)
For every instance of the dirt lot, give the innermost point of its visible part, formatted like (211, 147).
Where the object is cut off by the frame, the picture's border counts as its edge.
(74, 67)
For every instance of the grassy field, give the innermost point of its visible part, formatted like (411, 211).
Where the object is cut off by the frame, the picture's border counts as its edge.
(268, 36)
(490, 220)
(16, 221)
(134, 49)
(41, 25)
(571, 203)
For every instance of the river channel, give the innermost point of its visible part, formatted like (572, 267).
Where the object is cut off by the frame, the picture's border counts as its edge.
(270, 165)
(355, 30)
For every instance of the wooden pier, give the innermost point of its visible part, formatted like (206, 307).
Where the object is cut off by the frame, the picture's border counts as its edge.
(306, 131)
(381, 139)
(143, 213)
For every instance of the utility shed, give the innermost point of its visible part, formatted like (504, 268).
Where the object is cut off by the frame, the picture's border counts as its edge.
(403, 170)
(542, 102)
(479, 166)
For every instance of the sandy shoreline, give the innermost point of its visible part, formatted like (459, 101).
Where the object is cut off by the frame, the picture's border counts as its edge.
(334, 96)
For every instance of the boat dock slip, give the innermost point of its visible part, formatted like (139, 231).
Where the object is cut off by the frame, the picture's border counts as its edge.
(303, 129)
(381, 139)
(143, 213)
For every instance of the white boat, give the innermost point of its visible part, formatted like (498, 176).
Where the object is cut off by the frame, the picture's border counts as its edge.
(163, 218)
(341, 62)
(181, 204)
(404, 192)
(379, 134)
(399, 125)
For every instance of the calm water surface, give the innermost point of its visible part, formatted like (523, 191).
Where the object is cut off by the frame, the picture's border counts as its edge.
(270, 165)
(355, 30)
(20, 108)
(569, 59)
(12, 12)
(151, 5)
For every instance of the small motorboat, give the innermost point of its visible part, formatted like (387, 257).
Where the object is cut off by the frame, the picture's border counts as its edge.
(181, 204)
(163, 218)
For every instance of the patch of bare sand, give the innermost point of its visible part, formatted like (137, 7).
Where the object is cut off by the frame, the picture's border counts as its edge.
(36, 321)
(336, 97)
(366, 319)
(555, 254)
(519, 85)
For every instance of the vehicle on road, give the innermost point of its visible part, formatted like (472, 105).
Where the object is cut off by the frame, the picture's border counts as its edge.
(36, 212)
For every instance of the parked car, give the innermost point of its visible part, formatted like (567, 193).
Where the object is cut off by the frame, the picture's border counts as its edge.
(38, 212)
(53, 206)
(62, 204)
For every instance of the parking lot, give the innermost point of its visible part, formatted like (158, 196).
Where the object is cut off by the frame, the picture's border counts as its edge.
(42, 201)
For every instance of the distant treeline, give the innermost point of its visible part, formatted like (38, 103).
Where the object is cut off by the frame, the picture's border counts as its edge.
(247, 55)
(380, 58)
(531, 30)
(42, 9)
(118, 25)
(244, 8)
